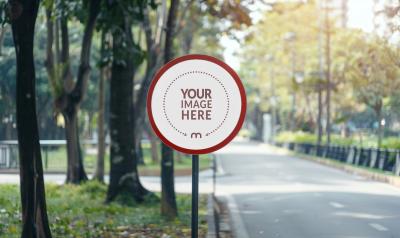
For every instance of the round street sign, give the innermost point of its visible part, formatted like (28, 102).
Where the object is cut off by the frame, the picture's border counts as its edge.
(196, 104)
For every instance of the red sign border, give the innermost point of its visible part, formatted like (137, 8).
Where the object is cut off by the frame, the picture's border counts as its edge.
(242, 96)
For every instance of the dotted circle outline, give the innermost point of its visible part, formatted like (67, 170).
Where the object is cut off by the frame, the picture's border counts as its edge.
(194, 72)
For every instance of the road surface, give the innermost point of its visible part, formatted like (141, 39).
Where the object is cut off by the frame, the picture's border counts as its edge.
(275, 195)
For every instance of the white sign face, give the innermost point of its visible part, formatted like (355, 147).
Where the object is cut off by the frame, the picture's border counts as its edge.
(196, 104)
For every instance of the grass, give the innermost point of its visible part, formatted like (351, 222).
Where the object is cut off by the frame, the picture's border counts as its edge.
(80, 212)
(56, 161)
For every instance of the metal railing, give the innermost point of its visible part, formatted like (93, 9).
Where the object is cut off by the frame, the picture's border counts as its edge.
(387, 160)
(9, 153)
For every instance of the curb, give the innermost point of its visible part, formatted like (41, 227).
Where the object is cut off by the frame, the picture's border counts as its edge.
(239, 230)
(389, 179)
(360, 171)
(211, 218)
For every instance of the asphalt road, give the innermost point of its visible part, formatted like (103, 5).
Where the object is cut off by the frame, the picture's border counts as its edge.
(275, 195)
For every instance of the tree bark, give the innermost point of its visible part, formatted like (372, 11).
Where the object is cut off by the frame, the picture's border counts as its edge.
(153, 142)
(124, 177)
(140, 105)
(168, 199)
(319, 117)
(378, 111)
(75, 169)
(69, 109)
(328, 78)
(101, 143)
(35, 222)
(3, 31)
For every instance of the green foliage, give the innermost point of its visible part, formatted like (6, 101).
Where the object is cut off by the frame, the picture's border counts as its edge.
(114, 18)
(79, 211)
(365, 73)
(372, 72)
(297, 137)
(391, 143)
(304, 137)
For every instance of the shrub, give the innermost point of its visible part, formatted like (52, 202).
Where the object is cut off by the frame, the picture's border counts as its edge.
(369, 141)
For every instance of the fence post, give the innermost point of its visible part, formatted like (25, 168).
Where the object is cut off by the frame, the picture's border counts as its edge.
(350, 155)
(357, 155)
(375, 153)
(397, 165)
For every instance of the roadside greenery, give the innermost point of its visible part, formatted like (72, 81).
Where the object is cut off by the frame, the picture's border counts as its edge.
(354, 140)
(286, 68)
(79, 211)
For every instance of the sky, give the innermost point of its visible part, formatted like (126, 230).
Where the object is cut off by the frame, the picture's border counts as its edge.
(360, 15)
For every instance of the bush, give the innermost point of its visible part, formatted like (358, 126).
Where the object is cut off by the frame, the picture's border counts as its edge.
(304, 137)
(391, 143)
(296, 137)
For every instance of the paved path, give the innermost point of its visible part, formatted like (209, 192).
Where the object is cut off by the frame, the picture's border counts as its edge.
(276, 195)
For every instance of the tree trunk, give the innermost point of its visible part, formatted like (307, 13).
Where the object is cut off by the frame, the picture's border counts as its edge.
(69, 100)
(154, 144)
(154, 152)
(319, 116)
(35, 223)
(293, 109)
(139, 152)
(140, 105)
(378, 111)
(179, 157)
(328, 78)
(3, 31)
(75, 169)
(168, 200)
(124, 177)
(258, 123)
(101, 143)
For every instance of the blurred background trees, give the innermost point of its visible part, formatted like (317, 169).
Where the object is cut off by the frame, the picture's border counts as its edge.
(290, 70)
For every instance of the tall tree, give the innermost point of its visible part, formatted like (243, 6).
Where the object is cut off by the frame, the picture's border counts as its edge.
(153, 60)
(69, 93)
(22, 14)
(328, 74)
(118, 18)
(375, 77)
(168, 200)
(101, 132)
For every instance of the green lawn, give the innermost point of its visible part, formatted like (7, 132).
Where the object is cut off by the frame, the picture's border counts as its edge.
(56, 161)
(80, 212)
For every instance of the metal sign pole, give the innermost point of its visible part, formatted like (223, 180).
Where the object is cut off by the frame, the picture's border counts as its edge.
(195, 195)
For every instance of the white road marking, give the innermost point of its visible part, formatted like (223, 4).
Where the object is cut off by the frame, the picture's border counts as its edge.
(378, 227)
(336, 205)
